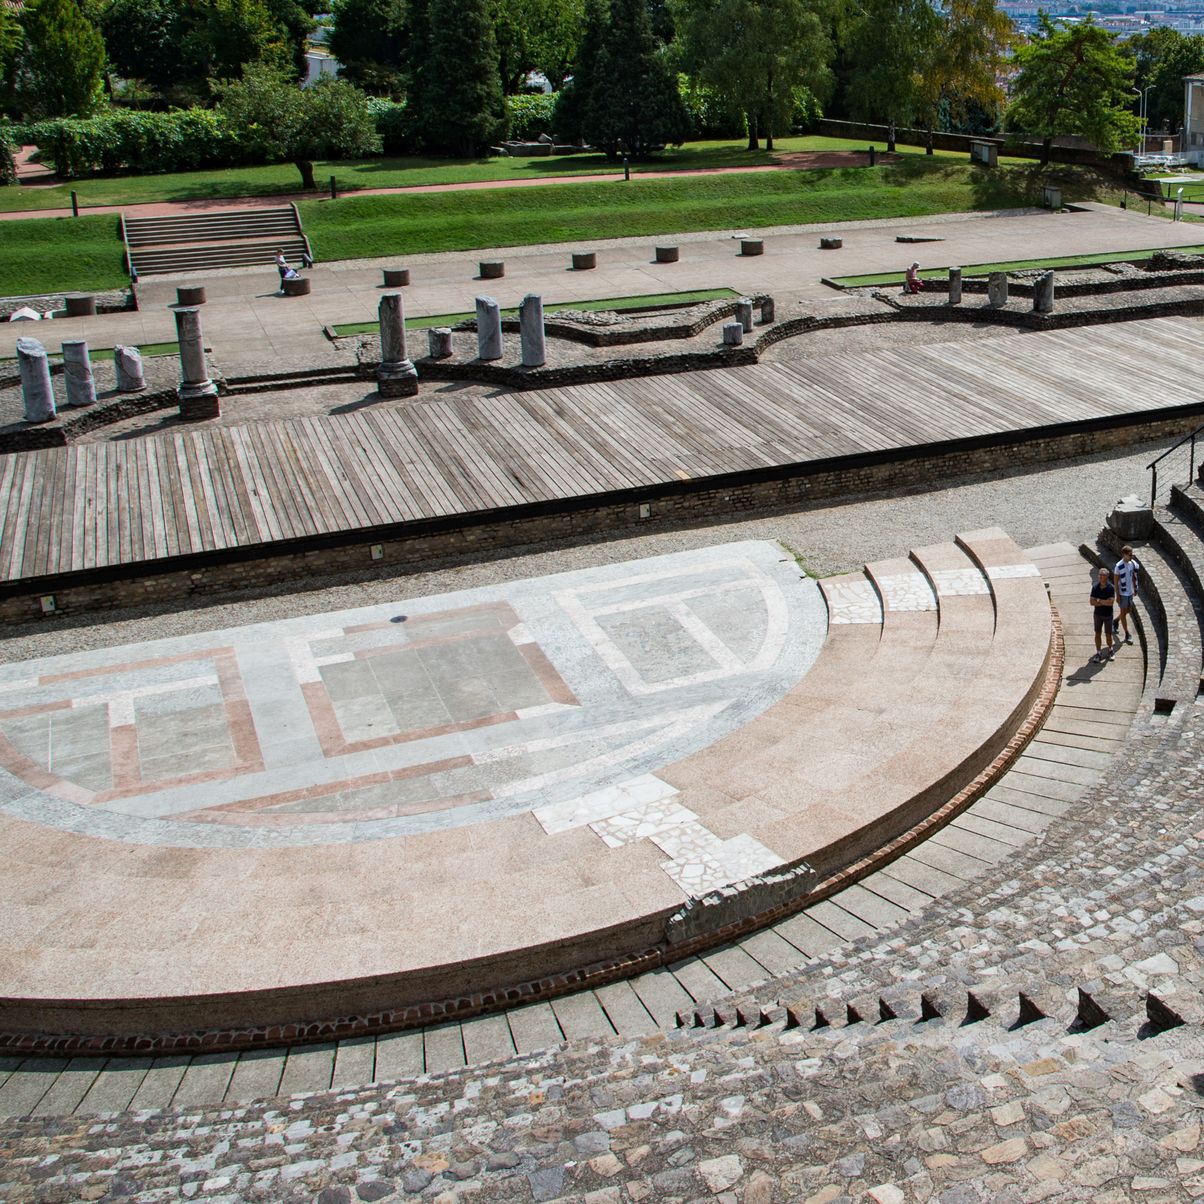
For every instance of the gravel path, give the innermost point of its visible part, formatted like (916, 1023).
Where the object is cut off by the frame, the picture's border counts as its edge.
(1067, 501)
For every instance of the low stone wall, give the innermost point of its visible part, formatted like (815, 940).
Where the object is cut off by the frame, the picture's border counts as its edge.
(108, 301)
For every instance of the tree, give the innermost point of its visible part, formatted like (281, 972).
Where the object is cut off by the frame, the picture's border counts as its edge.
(459, 107)
(143, 39)
(226, 35)
(575, 97)
(280, 121)
(366, 36)
(759, 57)
(1162, 57)
(966, 60)
(63, 64)
(1072, 79)
(633, 106)
(536, 35)
(295, 20)
(888, 46)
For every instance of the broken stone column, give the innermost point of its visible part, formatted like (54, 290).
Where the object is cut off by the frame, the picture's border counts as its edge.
(1043, 293)
(744, 308)
(955, 286)
(489, 329)
(128, 363)
(997, 290)
(77, 368)
(733, 333)
(36, 390)
(767, 311)
(439, 342)
(531, 332)
(396, 376)
(197, 393)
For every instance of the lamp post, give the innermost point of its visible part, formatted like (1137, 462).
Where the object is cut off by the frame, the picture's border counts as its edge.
(1143, 96)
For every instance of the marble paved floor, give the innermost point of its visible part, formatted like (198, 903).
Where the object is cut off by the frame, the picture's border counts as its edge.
(560, 695)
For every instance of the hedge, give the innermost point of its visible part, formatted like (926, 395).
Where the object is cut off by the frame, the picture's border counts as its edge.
(530, 115)
(136, 142)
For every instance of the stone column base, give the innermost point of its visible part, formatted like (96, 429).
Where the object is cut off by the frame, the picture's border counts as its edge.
(397, 380)
(197, 402)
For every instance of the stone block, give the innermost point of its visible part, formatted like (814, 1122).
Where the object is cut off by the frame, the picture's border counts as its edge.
(752, 246)
(733, 333)
(190, 294)
(831, 244)
(396, 277)
(584, 260)
(768, 311)
(80, 305)
(1132, 518)
(667, 254)
(997, 290)
(491, 270)
(296, 286)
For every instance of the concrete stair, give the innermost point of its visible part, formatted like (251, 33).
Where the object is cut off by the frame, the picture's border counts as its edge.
(194, 242)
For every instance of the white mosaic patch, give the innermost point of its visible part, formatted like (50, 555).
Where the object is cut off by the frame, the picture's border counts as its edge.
(853, 602)
(959, 583)
(602, 804)
(643, 823)
(907, 592)
(724, 864)
(1002, 572)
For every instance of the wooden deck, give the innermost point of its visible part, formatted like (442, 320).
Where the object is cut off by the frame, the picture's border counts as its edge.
(105, 505)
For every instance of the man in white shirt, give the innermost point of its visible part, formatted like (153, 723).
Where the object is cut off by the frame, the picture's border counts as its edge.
(1125, 577)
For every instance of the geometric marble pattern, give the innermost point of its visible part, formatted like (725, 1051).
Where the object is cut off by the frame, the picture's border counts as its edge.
(854, 601)
(907, 592)
(1004, 572)
(959, 583)
(557, 697)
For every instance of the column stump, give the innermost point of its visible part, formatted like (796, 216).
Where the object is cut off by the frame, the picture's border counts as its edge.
(584, 260)
(752, 246)
(494, 270)
(667, 254)
(396, 277)
(80, 305)
(297, 288)
(190, 294)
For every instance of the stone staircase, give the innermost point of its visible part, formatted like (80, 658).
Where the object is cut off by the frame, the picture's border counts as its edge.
(199, 241)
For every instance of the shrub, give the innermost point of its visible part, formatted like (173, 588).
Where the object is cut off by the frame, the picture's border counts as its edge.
(531, 114)
(392, 120)
(137, 142)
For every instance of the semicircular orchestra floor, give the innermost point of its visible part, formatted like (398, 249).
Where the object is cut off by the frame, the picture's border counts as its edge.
(321, 818)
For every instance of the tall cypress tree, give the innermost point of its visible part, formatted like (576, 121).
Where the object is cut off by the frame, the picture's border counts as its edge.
(573, 100)
(634, 106)
(457, 93)
(64, 58)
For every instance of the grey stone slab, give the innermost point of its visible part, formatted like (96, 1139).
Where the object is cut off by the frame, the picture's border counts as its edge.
(24, 1088)
(257, 1075)
(735, 967)
(1067, 754)
(1019, 818)
(308, 1068)
(354, 1062)
(8, 1065)
(702, 983)
(534, 1027)
(973, 844)
(1068, 718)
(1091, 741)
(910, 898)
(846, 925)
(929, 878)
(951, 860)
(1058, 771)
(807, 935)
(205, 1080)
(70, 1087)
(581, 1015)
(1043, 784)
(443, 1047)
(873, 909)
(487, 1039)
(625, 1010)
(160, 1082)
(773, 951)
(1029, 800)
(980, 825)
(399, 1056)
(114, 1088)
(663, 996)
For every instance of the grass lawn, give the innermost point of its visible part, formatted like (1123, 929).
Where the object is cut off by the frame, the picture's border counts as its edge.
(61, 253)
(1012, 265)
(97, 354)
(369, 227)
(617, 303)
(282, 178)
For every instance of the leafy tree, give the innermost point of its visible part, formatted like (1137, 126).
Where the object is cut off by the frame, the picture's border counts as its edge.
(1162, 57)
(457, 95)
(1072, 79)
(226, 35)
(143, 39)
(295, 20)
(536, 35)
(279, 121)
(756, 56)
(575, 97)
(63, 64)
(366, 36)
(888, 47)
(634, 105)
(966, 59)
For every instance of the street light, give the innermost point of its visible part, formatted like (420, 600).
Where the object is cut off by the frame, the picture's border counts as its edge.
(1143, 114)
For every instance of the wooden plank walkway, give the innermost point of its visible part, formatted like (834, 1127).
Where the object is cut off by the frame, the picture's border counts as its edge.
(105, 505)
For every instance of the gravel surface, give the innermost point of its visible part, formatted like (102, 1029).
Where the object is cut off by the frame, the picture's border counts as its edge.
(1068, 500)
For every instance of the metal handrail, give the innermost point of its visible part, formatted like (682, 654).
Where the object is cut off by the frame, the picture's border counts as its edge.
(1152, 466)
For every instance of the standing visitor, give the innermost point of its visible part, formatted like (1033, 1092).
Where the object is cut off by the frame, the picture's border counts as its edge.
(1103, 595)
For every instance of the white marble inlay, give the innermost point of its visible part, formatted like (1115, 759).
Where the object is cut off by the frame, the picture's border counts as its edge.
(603, 804)
(907, 592)
(722, 864)
(960, 583)
(853, 602)
(643, 822)
(1001, 572)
